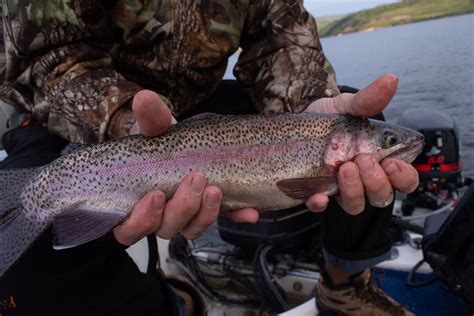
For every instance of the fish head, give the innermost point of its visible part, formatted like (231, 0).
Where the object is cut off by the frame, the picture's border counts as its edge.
(376, 138)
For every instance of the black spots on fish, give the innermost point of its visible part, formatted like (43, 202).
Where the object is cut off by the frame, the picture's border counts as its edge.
(324, 124)
(106, 166)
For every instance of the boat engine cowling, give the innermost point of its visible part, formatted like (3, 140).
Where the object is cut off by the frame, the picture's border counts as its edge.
(439, 164)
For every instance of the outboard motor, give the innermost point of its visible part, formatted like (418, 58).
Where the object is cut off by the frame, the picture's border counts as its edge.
(439, 164)
(283, 229)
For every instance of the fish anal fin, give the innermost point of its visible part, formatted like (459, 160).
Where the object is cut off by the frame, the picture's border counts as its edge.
(81, 224)
(302, 188)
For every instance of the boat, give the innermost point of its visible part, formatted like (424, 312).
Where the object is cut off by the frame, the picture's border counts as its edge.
(239, 278)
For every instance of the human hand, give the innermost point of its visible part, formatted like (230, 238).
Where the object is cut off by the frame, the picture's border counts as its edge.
(365, 177)
(194, 206)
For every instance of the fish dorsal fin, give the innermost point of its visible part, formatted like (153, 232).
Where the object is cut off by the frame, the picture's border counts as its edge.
(302, 188)
(72, 148)
(200, 117)
(12, 182)
(82, 223)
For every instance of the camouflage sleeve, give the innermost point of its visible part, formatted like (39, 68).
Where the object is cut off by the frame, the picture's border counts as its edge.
(282, 64)
(57, 70)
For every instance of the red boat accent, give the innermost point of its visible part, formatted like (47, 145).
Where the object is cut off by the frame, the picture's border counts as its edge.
(441, 167)
(449, 167)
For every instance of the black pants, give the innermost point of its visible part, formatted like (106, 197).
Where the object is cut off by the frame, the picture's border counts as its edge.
(99, 278)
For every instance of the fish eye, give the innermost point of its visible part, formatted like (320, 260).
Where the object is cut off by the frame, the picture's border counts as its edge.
(389, 140)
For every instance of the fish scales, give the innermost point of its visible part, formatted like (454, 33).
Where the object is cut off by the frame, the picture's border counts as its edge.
(261, 161)
(228, 150)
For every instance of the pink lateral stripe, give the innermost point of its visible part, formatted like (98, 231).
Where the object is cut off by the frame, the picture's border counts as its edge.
(203, 158)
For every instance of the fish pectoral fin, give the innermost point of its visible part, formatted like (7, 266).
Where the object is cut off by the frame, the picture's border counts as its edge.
(82, 223)
(302, 188)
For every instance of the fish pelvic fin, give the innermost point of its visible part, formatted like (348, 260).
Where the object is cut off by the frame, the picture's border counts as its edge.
(302, 188)
(83, 223)
(12, 182)
(17, 233)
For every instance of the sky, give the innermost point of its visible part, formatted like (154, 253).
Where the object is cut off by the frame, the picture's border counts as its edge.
(319, 8)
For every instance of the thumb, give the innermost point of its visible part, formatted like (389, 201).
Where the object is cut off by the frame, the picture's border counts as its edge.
(152, 114)
(369, 101)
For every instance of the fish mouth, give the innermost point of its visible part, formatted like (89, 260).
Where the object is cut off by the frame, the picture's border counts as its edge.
(410, 152)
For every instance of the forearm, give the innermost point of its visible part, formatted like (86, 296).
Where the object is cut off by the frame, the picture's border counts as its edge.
(282, 64)
(58, 68)
(89, 101)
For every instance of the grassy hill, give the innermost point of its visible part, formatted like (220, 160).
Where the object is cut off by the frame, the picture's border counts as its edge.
(406, 11)
(325, 21)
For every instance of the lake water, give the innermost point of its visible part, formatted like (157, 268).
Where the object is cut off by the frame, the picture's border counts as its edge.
(434, 61)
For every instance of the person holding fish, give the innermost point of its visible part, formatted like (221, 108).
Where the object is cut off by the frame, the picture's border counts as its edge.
(92, 71)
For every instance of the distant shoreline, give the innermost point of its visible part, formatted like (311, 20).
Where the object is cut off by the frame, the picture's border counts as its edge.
(404, 12)
(371, 29)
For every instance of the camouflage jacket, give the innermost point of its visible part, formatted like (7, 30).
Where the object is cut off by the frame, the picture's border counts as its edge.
(76, 64)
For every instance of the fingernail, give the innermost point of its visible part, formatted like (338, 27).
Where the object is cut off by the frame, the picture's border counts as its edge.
(212, 200)
(198, 184)
(158, 202)
(366, 165)
(394, 80)
(350, 174)
(392, 169)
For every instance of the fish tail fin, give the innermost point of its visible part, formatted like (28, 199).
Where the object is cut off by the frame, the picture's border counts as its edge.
(12, 182)
(17, 230)
(17, 233)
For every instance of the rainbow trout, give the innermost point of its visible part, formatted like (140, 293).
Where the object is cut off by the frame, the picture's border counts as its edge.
(269, 162)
